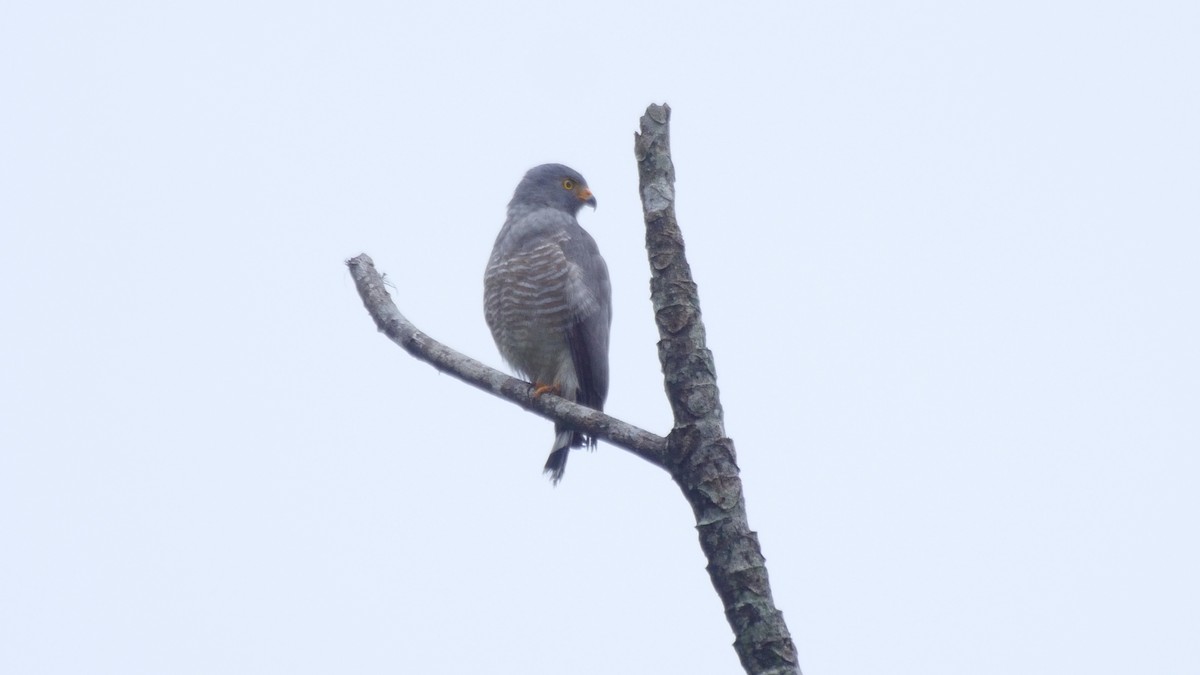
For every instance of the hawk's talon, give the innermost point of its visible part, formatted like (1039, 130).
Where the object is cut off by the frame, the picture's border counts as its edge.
(539, 389)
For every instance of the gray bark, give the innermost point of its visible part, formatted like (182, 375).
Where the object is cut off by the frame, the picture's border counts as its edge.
(700, 457)
(697, 454)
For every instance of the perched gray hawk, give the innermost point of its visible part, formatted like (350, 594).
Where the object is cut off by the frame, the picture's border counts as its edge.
(547, 298)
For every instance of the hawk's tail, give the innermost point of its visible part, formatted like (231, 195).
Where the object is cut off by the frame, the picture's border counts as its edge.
(564, 440)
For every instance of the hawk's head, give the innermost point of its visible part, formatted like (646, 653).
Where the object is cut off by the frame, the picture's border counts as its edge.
(556, 186)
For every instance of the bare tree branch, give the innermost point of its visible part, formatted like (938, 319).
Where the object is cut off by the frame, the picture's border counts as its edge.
(701, 458)
(392, 323)
(696, 453)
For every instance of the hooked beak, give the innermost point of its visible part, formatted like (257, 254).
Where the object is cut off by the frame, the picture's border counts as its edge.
(585, 196)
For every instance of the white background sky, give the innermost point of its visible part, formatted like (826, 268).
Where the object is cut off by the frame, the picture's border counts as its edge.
(948, 258)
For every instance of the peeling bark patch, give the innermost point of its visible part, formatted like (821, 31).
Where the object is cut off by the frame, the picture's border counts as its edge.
(702, 400)
(675, 318)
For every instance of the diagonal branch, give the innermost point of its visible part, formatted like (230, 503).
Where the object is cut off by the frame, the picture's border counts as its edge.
(702, 458)
(392, 323)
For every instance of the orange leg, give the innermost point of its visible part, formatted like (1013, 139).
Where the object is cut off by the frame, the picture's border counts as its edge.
(539, 389)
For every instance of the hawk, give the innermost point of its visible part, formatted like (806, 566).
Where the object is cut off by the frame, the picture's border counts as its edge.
(547, 298)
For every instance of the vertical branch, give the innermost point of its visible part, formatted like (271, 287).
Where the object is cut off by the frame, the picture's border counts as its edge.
(700, 457)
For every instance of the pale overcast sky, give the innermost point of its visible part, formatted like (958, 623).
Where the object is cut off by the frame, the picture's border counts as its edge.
(949, 260)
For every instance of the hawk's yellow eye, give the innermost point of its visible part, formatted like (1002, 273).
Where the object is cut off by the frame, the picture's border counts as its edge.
(569, 184)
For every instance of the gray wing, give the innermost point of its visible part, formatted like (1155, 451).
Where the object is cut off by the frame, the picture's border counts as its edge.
(590, 296)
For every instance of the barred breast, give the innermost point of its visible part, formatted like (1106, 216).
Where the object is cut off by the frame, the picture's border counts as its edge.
(528, 308)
